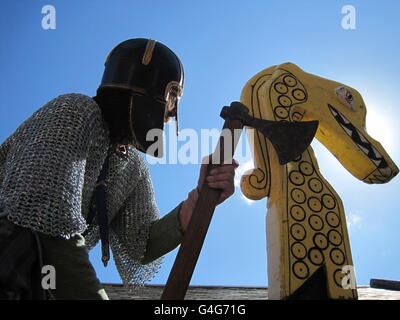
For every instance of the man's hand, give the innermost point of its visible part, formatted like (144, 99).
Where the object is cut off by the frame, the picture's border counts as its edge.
(219, 178)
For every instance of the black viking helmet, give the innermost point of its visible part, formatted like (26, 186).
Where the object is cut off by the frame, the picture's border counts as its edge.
(150, 77)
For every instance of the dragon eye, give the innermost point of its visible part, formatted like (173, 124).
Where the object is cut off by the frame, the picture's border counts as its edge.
(349, 96)
(346, 97)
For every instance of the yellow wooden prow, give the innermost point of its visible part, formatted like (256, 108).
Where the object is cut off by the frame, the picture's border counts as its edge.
(308, 245)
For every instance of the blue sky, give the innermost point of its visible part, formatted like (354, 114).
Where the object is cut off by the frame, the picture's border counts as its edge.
(222, 44)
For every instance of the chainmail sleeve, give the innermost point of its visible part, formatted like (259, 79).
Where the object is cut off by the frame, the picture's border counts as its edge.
(130, 231)
(43, 174)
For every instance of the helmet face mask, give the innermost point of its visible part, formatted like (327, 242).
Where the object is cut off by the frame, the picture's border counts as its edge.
(145, 114)
(152, 76)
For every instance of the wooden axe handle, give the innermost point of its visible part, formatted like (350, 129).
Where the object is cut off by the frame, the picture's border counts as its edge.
(189, 251)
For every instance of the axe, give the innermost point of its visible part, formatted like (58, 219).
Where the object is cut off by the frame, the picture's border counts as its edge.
(289, 139)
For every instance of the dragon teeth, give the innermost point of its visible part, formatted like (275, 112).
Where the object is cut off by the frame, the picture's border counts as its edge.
(377, 162)
(365, 150)
(386, 172)
(334, 112)
(362, 137)
(345, 120)
(348, 131)
(377, 154)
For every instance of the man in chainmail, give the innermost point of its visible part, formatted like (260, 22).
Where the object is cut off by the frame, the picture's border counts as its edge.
(72, 174)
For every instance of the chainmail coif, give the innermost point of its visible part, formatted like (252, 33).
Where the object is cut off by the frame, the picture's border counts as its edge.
(49, 168)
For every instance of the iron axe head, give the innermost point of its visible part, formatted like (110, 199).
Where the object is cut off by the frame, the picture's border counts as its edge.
(290, 139)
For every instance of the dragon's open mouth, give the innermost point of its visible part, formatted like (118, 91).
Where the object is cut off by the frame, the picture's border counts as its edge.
(362, 143)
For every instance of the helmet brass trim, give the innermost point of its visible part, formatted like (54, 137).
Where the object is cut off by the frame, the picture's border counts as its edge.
(148, 53)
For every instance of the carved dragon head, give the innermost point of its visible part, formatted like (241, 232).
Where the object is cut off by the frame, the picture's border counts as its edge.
(299, 96)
